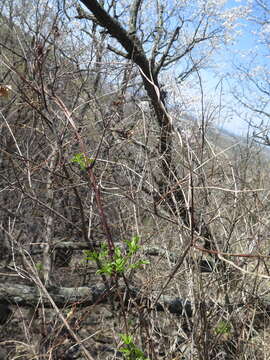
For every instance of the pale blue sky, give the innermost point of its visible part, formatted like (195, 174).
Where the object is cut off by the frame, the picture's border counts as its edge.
(230, 58)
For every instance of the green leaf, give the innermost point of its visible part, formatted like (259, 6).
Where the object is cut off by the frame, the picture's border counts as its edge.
(133, 246)
(91, 255)
(130, 350)
(39, 266)
(120, 264)
(117, 253)
(223, 327)
(127, 339)
(82, 160)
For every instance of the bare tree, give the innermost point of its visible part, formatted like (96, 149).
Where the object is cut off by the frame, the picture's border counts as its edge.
(155, 46)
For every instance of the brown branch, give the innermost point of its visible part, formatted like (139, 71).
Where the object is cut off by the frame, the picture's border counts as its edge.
(167, 50)
(129, 42)
(118, 52)
(134, 15)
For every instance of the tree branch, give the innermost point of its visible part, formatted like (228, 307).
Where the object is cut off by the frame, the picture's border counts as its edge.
(129, 42)
(167, 50)
(134, 16)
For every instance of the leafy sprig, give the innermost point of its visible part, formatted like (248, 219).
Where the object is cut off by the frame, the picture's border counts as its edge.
(130, 350)
(120, 262)
(82, 160)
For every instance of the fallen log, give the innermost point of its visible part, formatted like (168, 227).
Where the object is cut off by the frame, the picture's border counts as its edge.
(30, 296)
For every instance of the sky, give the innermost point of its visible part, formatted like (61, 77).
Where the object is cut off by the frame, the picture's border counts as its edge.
(229, 58)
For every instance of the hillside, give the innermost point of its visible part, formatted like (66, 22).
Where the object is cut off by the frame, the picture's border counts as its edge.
(122, 237)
